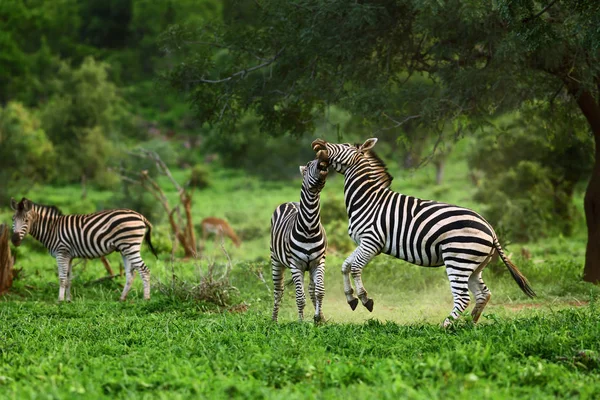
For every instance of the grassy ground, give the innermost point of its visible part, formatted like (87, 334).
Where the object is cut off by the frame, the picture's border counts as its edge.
(174, 346)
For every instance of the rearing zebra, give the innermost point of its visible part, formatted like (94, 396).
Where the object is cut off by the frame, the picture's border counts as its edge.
(298, 242)
(422, 232)
(85, 236)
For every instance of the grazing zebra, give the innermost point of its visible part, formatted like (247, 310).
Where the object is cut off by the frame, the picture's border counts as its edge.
(85, 236)
(298, 242)
(422, 232)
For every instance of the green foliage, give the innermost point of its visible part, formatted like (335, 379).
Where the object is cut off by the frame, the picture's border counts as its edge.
(240, 356)
(246, 148)
(82, 118)
(26, 153)
(200, 177)
(383, 60)
(530, 175)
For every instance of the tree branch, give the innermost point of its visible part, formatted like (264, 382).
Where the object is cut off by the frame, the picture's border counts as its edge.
(397, 123)
(241, 73)
(540, 13)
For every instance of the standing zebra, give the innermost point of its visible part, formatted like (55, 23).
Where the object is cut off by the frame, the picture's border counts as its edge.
(422, 232)
(298, 242)
(85, 236)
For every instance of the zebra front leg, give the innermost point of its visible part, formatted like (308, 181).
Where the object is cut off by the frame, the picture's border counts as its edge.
(63, 262)
(362, 258)
(298, 278)
(318, 290)
(348, 290)
(277, 271)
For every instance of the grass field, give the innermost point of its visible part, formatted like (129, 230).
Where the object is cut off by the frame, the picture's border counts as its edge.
(176, 347)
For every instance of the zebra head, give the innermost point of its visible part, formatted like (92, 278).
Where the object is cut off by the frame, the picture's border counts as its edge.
(343, 155)
(314, 175)
(21, 219)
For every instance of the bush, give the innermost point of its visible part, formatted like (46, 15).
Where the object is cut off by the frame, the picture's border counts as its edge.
(333, 208)
(200, 177)
(338, 240)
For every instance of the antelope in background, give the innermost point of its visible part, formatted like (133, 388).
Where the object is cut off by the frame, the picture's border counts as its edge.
(220, 228)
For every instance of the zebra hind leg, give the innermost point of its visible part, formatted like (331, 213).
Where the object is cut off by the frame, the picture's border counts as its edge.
(69, 279)
(480, 291)
(129, 276)
(135, 262)
(459, 286)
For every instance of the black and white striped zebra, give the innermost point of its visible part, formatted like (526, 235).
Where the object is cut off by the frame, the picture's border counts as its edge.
(85, 236)
(298, 242)
(422, 232)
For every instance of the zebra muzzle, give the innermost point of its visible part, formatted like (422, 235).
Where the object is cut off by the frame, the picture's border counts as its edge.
(318, 146)
(15, 239)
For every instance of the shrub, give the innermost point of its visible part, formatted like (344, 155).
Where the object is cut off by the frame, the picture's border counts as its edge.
(333, 208)
(200, 177)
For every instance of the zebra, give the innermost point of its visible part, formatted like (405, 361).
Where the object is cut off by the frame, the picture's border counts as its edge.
(298, 241)
(422, 232)
(85, 236)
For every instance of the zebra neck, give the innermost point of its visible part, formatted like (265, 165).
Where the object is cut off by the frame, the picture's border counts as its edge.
(359, 187)
(309, 216)
(42, 227)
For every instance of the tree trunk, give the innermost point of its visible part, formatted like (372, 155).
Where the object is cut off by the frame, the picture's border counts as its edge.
(6, 260)
(591, 110)
(591, 202)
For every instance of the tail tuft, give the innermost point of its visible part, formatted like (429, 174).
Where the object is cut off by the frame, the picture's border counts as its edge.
(514, 271)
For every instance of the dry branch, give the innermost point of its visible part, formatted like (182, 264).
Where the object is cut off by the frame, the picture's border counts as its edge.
(182, 229)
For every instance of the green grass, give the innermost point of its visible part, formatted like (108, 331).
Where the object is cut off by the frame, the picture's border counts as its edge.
(175, 347)
(156, 349)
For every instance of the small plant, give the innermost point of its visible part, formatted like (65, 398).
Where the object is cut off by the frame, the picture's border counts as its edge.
(213, 286)
(200, 177)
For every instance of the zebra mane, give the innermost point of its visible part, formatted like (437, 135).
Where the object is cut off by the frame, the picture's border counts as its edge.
(380, 170)
(54, 209)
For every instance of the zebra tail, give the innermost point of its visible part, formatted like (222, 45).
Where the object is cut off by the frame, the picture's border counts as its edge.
(514, 271)
(147, 237)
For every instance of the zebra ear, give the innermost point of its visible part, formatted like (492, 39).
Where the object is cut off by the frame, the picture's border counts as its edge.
(26, 205)
(368, 145)
(13, 204)
(302, 168)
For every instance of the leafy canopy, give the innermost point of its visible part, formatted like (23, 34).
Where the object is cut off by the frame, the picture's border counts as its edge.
(288, 61)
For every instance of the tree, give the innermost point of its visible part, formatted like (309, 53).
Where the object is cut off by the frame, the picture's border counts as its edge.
(83, 118)
(481, 58)
(27, 155)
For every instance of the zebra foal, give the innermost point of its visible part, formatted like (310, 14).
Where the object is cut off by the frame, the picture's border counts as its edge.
(422, 232)
(85, 236)
(298, 242)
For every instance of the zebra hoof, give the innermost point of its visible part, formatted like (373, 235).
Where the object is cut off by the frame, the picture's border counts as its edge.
(353, 303)
(369, 305)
